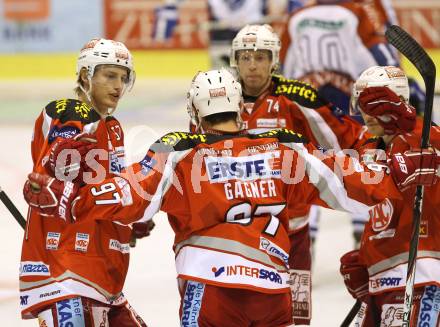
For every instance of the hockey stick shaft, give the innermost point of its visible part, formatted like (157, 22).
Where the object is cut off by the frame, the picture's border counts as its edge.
(403, 42)
(350, 316)
(12, 209)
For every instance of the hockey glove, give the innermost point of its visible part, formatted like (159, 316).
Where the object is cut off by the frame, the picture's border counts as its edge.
(141, 230)
(392, 113)
(50, 196)
(355, 275)
(414, 167)
(74, 163)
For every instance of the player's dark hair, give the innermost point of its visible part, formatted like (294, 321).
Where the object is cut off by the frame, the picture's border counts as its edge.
(221, 117)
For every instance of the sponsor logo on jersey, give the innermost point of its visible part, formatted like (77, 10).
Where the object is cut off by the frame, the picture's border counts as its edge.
(52, 240)
(304, 91)
(429, 307)
(392, 315)
(263, 147)
(82, 109)
(423, 228)
(81, 242)
(271, 122)
(121, 247)
(66, 132)
(70, 312)
(68, 189)
(241, 270)
(116, 160)
(147, 164)
(381, 215)
(300, 287)
(174, 138)
(49, 294)
(383, 234)
(192, 302)
(24, 299)
(322, 24)
(385, 281)
(274, 250)
(259, 166)
(34, 268)
(61, 105)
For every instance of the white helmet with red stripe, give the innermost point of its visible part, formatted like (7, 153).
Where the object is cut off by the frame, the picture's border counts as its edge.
(105, 52)
(390, 76)
(256, 37)
(213, 92)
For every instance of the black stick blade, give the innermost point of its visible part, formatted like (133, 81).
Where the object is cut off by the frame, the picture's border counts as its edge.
(409, 47)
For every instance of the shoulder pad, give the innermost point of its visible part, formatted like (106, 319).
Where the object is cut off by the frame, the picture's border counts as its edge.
(71, 109)
(302, 93)
(284, 135)
(181, 141)
(178, 141)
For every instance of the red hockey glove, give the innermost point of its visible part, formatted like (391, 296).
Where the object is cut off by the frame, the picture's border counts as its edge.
(392, 113)
(355, 274)
(50, 196)
(141, 230)
(72, 167)
(414, 167)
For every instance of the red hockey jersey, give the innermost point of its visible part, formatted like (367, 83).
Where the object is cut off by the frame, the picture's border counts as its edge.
(229, 199)
(52, 265)
(385, 242)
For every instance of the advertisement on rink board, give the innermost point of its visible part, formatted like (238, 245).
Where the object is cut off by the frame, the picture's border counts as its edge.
(48, 25)
(60, 26)
(154, 25)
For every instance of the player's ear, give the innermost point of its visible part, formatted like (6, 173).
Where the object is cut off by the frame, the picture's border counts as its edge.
(83, 78)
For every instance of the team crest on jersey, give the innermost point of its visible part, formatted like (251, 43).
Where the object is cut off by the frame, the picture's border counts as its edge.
(381, 215)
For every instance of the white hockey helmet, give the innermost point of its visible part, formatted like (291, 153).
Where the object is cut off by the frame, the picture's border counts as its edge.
(213, 92)
(105, 52)
(390, 76)
(256, 37)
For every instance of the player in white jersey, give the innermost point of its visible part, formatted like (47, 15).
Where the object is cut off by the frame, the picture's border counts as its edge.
(329, 44)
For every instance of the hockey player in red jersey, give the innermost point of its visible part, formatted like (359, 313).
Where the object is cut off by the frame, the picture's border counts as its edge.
(229, 196)
(376, 274)
(56, 285)
(271, 101)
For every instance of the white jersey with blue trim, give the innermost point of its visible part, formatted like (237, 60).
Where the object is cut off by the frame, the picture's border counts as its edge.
(335, 38)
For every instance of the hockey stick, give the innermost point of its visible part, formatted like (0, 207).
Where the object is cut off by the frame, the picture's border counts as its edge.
(403, 42)
(350, 316)
(12, 209)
